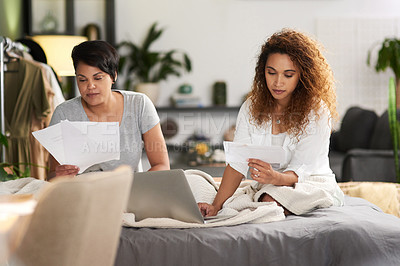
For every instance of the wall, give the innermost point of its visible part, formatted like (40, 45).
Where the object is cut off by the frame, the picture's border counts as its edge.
(41, 9)
(11, 18)
(223, 37)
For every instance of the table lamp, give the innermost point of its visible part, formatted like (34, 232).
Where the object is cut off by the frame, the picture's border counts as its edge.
(58, 50)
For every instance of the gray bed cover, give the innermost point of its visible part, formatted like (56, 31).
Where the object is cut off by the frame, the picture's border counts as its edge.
(357, 234)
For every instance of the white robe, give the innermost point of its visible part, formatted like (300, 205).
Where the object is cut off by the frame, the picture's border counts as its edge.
(307, 156)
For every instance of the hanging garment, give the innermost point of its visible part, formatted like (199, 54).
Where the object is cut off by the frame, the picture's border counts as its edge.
(25, 96)
(54, 85)
(50, 76)
(38, 154)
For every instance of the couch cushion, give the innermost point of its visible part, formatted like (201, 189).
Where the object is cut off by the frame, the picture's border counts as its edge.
(356, 129)
(369, 165)
(335, 162)
(381, 138)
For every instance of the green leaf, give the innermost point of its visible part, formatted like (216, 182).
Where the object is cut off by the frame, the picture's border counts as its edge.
(26, 173)
(188, 63)
(3, 173)
(152, 36)
(388, 56)
(3, 140)
(4, 176)
(383, 59)
(140, 64)
(394, 125)
(396, 59)
(122, 63)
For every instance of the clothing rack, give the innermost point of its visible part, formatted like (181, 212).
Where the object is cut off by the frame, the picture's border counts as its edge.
(6, 44)
(2, 123)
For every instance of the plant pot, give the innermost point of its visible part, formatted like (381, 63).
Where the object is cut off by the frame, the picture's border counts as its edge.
(152, 90)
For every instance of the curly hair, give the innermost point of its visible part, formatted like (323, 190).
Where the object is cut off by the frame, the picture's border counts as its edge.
(315, 87)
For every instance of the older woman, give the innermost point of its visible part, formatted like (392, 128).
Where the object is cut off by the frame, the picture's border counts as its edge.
(96, 64)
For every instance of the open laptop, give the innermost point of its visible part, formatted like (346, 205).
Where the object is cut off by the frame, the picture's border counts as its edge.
(164, 194)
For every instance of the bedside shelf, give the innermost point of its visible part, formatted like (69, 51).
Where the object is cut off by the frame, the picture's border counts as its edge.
(199, 109)
(184, 147)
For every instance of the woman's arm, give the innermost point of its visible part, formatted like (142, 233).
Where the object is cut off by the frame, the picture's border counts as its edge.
(156, 149)
(232, 174)
(310, 155)
(230, 182)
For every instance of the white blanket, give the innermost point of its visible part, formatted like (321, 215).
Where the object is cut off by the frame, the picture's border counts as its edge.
(243, 205)
(240, 205)
(28, 185)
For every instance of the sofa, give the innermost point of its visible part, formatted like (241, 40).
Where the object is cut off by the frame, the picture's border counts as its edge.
(361, 150)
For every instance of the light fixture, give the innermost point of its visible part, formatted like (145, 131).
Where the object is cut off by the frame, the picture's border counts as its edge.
(58, 50)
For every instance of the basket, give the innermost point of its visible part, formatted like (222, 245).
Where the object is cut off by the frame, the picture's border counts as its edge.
(347, 186)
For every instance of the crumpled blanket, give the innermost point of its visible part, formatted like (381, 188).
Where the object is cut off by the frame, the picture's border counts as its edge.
(243, 206)
(240, 206)
(303, 198)
(28, 185)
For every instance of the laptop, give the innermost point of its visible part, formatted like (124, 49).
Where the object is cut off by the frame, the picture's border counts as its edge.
(164, 194)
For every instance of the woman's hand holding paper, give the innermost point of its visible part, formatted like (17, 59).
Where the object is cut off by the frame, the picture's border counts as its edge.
(67, 170)
(263, 173)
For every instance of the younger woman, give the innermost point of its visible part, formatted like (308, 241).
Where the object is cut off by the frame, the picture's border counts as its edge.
(291, 105)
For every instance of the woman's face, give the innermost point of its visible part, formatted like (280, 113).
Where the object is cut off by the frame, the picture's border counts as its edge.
(94, 85)
(282, 76)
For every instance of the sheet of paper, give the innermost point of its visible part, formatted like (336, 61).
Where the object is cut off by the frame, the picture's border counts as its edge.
(239, 153)
(81, 143)
(51, 140)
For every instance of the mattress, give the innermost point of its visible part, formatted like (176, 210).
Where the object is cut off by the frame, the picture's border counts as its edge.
(358, 233)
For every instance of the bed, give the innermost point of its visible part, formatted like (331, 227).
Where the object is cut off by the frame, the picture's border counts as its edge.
(357, 234)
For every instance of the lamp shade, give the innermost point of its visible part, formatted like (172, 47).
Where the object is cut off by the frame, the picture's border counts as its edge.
(58, 50)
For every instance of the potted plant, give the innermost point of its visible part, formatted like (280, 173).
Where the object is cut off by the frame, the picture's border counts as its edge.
(10, 171)
(389, 56)
(394, 126)
(145, 68)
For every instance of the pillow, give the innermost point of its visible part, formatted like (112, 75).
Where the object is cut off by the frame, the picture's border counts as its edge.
(356, 129)
(381, 138)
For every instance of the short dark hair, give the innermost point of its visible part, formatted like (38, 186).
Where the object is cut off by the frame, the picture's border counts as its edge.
(98, 54)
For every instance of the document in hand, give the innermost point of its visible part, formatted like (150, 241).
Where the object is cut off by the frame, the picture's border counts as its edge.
(81, 143)
(240, 152)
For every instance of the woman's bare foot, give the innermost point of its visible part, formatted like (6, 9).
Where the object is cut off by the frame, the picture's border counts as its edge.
(267, 198)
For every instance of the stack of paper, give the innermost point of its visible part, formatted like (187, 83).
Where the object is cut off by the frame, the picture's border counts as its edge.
(81, 143)
(240, 152)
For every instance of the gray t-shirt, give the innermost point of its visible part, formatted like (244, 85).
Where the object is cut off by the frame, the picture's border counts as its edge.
(139, 116)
